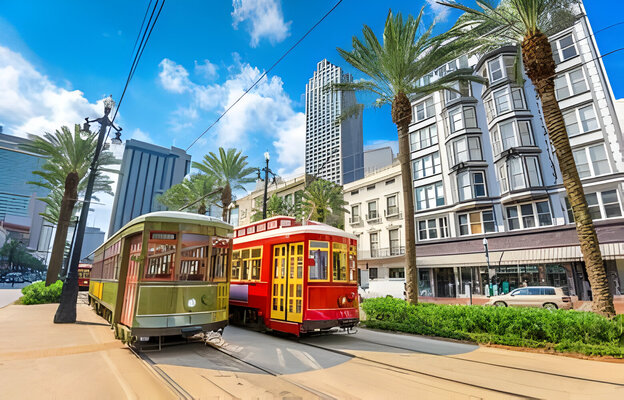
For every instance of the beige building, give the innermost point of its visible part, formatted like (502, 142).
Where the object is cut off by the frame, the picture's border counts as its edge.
(287, 189)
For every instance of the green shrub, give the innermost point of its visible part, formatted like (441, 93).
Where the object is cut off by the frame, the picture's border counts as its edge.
(561, 330)
(38, 293)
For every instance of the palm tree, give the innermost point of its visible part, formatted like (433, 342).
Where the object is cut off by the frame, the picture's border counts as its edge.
(275, 206)
(193, 194)
(231, 173)
(68, 156)
(323, 202)
(529, 22)
(394, 70)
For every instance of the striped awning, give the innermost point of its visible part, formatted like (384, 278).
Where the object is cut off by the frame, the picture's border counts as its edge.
(609, 251)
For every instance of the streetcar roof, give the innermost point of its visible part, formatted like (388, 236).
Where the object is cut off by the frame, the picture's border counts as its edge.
(316, 227)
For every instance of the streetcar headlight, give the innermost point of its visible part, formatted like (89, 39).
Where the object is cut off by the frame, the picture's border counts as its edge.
(191, 303)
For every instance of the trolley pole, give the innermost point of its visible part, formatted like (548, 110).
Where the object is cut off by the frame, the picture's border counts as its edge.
(66, 312)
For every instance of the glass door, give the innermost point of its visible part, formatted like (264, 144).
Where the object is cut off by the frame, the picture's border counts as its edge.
(278, 273)
(295, 283)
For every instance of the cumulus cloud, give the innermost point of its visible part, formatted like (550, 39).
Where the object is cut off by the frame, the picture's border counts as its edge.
(264, 114)
(173, 77)
(31, 103)
(441, 11)
(265, 20)
(206, 69)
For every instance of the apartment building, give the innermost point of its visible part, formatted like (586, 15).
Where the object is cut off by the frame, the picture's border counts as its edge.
(483, 168)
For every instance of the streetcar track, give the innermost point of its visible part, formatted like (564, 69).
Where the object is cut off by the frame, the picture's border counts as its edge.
(578, 378)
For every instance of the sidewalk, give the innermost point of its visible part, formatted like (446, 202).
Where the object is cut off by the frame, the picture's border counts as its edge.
(40, 359)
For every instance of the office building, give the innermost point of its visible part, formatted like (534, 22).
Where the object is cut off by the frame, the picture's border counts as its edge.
(334, 150)
(483, 167)
(146, 171)
(376, 159)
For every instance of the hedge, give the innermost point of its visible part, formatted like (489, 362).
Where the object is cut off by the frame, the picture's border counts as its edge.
(38, 293)
(560, 330)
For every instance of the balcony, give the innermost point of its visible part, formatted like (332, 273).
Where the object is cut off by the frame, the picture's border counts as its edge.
(373, 217)
(381, 253)
(393, 212)
(355, 220)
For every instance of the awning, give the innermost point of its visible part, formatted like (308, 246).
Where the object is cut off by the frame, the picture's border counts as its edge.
(609, 251)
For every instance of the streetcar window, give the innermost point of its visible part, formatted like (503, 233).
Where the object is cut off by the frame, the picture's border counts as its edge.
(236, 262)
(340, 261)
(353, 264)
(319, 252)
(248, 265)
(161, 258)
(193, 257)
(219, 259)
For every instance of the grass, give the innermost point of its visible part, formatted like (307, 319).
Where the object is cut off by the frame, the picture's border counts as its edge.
(561, 330)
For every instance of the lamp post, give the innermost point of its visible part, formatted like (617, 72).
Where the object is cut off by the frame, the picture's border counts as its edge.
(266, 171)
(66, 312)
(487, 260)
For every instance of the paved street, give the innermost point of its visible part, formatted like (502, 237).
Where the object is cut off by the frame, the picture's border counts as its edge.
(8, 296)
(376, 365)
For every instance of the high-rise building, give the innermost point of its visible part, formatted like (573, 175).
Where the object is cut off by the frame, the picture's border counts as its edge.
(483, 168)
(334, 148)
(146, 171)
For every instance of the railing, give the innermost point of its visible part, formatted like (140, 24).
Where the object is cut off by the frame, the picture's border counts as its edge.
(355, 220)
(373, 217)
(393, 212)
(380, 253)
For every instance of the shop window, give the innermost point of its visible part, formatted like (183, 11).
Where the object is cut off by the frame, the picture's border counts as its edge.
(340, 255)
(319, 252)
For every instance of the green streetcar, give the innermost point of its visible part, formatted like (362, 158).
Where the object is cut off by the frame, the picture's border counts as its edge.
(164, 274)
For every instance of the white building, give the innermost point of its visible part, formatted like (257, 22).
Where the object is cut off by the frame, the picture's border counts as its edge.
(334, 150)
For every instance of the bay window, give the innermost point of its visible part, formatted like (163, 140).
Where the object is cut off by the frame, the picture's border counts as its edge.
(511, 134)
(466, 148)
(460, 118)
(528, 215)
(476, 222)
(429, 196)
(519, 173)
(591, 161)
(471, 185)
(505, 100)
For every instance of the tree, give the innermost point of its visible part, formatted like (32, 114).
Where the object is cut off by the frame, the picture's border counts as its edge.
(230, 170)
(323, 201)
(68, 156)
(529, 22)
(394, 72)
(275, 206)
(193, 193)
(17, 255)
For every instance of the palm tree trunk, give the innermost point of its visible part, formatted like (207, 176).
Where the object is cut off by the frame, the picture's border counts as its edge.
(67, 207)
(540, 67)
(401, 116)
(226, 200)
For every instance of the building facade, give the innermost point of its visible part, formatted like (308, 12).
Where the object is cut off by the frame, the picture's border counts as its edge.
(334, 150)
(483, 167)
(376, 159)
(146, 171)
(290, 190)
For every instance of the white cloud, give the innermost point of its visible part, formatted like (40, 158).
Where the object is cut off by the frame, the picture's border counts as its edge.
(379, 143)
(266, 113)
(31, 103)
(265, 20)
(206, 69)
(138, 134)
(441, 11)
(173, 77)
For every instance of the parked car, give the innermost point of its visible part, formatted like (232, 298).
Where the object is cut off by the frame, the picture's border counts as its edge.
(533, 296)
(14, 277)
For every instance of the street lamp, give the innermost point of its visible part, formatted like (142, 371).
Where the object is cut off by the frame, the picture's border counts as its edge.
(487, 260)
(66, 312)
(267, 171)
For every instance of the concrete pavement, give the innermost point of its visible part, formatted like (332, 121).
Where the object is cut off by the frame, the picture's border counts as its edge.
(8, 296)
(40, 359)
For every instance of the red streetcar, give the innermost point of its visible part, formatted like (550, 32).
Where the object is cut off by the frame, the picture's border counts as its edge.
(293, 278)
(84, 276)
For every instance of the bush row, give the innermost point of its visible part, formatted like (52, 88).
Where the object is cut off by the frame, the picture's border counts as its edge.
(38, 293)
(561, 330)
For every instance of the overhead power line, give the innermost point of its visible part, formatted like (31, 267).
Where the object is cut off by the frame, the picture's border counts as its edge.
(265, 73)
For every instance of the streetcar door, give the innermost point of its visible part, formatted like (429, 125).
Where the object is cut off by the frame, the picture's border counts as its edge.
(295, 283)
(127, 312)
(278, 274)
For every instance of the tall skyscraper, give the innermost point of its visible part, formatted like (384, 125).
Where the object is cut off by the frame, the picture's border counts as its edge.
(334, 150)
(146, 171)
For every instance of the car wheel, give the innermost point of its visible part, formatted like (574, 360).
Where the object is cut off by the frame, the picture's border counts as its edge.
(500, 304)
(550, 306)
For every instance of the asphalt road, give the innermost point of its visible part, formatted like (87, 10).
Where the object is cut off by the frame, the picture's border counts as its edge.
(8, 296)
(372, 364)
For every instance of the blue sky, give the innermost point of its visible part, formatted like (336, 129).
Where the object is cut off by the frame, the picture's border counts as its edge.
(58, 59)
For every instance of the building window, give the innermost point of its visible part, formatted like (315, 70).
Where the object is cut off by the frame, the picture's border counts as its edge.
(424, 137)
(396, 273)
(563, 49)
(374, 243)
(423, 110)
(393, 235)
(570, 84)
(592, 161)
(372, 273)
(462, 89)
(465, 149)
(601, 205)
(471, 185)
(355, 214)
(529, 215)
(427, 165)
(587, 118)
(460, 118)
(505, 100)
(429, 196)
(496, 70)
(433, 228)
(511, 134)
(372, 211)
(476, 223)
(520, 172)
(392, 207)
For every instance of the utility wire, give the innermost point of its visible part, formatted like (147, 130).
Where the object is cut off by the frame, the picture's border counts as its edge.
(265, 73)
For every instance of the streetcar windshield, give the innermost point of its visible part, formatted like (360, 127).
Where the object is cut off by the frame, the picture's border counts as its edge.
(319, 252)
